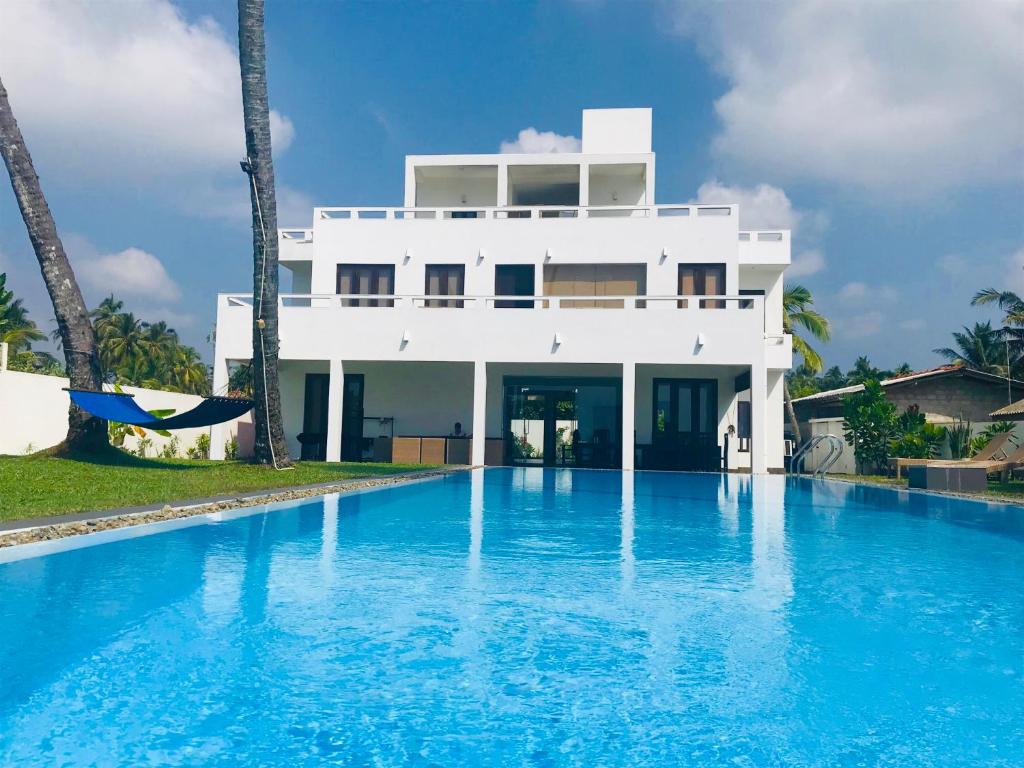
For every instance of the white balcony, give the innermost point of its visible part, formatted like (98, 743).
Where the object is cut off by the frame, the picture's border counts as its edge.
(713, 330)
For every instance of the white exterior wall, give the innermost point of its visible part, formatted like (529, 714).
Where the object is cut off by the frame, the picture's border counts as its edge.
(617, 162)
(34, 413)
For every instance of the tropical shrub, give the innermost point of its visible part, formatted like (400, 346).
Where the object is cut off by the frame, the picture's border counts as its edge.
(959, 436)
(869, 424)
(201, 449)
(171, 448)
(915, 437)
(143, 446)
(231, 448)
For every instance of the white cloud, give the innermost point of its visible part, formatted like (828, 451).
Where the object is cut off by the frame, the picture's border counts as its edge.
(532, 141)
(901, 99)
(230, 203)
(861, 325)
(131, 272)
(913, 324)
(857, 293)
(125, 87)
(768, 207)
(953, 265)
(805, 263)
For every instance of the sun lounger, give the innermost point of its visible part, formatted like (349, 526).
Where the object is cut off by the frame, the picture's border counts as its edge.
(996, 449)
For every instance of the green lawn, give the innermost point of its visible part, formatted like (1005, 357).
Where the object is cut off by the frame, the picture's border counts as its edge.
(37, 486)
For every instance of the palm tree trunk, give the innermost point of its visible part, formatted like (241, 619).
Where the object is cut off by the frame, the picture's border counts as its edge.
(270, 447)
(791, 413)
(85, 432)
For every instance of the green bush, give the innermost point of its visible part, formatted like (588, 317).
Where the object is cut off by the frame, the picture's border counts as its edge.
(870, 425)
(201, 449)
(231, 448)
(915, 438)
(959, 436)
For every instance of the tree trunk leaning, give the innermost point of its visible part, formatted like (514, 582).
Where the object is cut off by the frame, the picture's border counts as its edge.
(791, 413)
(86, 433)
(270, 447)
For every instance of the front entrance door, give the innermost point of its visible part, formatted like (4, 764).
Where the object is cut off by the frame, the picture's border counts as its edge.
(352, 418)
(685, 424)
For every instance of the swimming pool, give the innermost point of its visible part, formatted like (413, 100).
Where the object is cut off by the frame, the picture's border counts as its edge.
(532, 617)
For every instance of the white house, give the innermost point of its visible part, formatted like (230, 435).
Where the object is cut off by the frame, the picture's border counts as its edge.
(542, 302)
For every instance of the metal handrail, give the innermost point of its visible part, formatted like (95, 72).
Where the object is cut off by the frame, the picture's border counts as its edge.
(796, 458)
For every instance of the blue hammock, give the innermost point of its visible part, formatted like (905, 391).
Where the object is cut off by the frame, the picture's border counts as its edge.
(121, 407)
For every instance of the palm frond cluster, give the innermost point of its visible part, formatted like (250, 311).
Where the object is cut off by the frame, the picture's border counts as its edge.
(146, 354)
(984, 347)
(19, 332)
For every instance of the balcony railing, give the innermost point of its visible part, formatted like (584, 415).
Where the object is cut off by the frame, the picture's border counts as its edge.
(292, 301)
(523, 212)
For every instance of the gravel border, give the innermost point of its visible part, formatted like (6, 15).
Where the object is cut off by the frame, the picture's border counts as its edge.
(85, 523)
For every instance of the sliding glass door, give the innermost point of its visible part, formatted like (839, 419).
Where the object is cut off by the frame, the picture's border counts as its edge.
(685, 425)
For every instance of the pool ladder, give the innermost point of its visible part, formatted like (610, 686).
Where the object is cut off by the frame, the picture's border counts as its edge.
(835, 450)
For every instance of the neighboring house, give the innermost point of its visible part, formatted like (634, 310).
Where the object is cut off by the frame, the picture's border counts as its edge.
(1012, 412)
(534, 299)
(944, 394)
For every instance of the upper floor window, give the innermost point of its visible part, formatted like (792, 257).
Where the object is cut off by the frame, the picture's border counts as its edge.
(445, 280)
(595, 280)
(366, 280)
(702, 280)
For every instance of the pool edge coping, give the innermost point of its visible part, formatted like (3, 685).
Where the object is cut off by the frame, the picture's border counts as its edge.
(35, 532)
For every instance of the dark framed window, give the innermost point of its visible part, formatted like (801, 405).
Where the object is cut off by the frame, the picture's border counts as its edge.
(743, 428)
(702, 280)
(445, 280)
(514, 280)
(366, 280)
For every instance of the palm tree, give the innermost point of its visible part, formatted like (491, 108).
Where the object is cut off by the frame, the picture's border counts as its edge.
(863, 371)
(85, 432)
(16, 330)
(982, 348)
(1007, 301)
(122, 343)
(269, 447)
(797, 313)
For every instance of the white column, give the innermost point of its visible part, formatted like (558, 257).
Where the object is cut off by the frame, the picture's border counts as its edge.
(758, 417)
(479, 412)
(628, 415)
(584, 184)
(335, 396)
(219, 432)
(502, 196)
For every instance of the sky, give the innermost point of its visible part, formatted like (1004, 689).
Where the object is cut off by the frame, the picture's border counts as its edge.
(888, 136)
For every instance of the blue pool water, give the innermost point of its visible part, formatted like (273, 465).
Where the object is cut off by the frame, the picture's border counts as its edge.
(532, 618)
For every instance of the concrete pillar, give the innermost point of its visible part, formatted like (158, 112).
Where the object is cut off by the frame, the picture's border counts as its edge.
(584, 184)
(219, 432)
(628, 415)
(479, 412)
(758, 418)
(335, 401)
(502, 197)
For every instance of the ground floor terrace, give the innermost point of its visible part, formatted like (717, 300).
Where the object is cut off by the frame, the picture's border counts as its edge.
(621, 416)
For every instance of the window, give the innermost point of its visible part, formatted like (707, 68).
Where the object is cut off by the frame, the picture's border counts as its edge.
(366, 280)
(595, 280)
(513, 280)
(702, 280)
(743, 430)
(445, 280)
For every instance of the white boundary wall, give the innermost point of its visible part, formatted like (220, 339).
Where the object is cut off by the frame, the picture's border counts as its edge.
(34, 415)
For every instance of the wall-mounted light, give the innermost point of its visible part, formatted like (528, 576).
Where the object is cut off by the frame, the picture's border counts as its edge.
(700, 340)
(547, 255)
(558, 339)
(480, 256)
(408, 256)
(406, 338)
(615, 197)
(463, 199)
(664, 254)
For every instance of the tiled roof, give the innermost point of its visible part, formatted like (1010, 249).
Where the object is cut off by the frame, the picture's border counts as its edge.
(941, 370)
(1013, 411)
